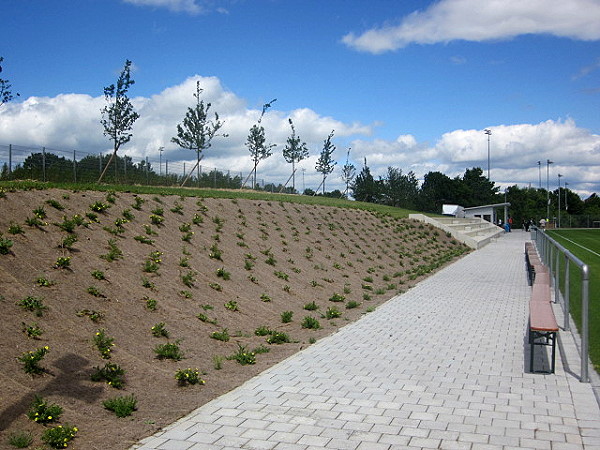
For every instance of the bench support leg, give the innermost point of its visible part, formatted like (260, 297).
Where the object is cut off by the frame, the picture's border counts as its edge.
(542, 338)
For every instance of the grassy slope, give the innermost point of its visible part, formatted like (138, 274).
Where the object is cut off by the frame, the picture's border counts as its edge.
(589, 239)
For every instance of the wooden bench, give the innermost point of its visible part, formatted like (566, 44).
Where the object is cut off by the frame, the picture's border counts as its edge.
(543, 328)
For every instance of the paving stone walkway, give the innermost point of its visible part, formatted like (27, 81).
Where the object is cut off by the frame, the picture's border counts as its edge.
(444, 365)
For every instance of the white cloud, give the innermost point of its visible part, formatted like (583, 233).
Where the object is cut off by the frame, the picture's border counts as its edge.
(72, 122)
(188, 6)
(476, 20)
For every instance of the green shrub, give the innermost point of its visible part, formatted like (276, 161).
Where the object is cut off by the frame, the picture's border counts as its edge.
(55, 204)
(222, 335)
(352, 304)
(232, 305)
(98, 275)
(286, 316)
(32, 331)
(206, 319)
(103, 343)
(99, 207)
(189, 278)
(63, 262)
(20, 439)
(43, 412)
(312, 306)
(34, 304)
(222, 273)
(243, 356)
(337, 298)
(122, 406)
(159, 330)
(169, 350)
(310, 323)
(263, 330)
(265, 298)
(59, 436)
(15, 228)
(278, 337)
(31, 360)
(332, 313)
(188, 376)
(112, 373)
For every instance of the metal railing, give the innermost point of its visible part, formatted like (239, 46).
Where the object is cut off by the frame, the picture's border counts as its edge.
(551, 253)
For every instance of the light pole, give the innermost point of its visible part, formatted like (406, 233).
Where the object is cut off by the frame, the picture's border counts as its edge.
(540, 172)
(160, 150)
(559, 177)
(489, 133)
(566, 191)
(548, 162)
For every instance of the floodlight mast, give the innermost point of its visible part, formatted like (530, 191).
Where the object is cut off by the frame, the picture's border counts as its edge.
(548, 162)
(489, 133)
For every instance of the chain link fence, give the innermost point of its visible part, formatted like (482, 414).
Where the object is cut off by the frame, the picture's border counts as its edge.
(75, 166)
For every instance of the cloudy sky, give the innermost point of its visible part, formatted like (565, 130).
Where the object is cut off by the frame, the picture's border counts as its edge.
(411, 84)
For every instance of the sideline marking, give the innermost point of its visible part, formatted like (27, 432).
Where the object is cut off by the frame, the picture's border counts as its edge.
(579, 245)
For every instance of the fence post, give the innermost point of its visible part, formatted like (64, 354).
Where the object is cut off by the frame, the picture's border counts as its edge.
(557, 277)
(9, 159)
(585, 333)
(44, 164)
(567, 294)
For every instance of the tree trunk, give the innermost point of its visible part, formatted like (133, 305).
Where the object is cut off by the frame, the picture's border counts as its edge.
(107, 165)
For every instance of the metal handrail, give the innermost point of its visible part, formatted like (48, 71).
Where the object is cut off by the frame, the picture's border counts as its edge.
(550, 251)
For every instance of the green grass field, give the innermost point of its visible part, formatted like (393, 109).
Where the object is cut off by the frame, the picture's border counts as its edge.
(585, 245)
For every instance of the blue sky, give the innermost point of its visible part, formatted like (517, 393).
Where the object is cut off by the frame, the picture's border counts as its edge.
(409, 84)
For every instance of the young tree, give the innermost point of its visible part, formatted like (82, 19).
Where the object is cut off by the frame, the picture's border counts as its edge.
(294, 151)
(325, 163)
(196, 132)
(257, 143)
(6, 94)
(118, 116)
(348, 173)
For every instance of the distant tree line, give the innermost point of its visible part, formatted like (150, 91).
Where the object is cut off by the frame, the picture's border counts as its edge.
(473, 189)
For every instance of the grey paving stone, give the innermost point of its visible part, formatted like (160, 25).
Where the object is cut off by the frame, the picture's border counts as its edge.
(393, 380)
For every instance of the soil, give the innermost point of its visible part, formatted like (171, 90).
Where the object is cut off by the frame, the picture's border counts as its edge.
(313, 252)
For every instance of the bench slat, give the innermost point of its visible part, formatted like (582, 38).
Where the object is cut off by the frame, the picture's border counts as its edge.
(541, 317)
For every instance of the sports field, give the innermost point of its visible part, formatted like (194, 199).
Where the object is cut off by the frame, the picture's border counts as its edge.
(585, 245)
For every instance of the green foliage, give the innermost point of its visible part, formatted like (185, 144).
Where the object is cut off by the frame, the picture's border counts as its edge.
(139, 201)
(188, 376)
(144, 239)
(59, 436)
(31, 360)
(68, 241)
(20, 439)
(93, 290)
(103, 343)
(312, 306)
(216, 286)
(310, 323)
(332, 313)
(122, 406)
(156, 219)
(222, 335)
(63, 262)
(34, 304)
(44, 282)
(32, 331)
(15, 228)
(99, 206)
(43, 412)
(95, 316)
(352, 304)
(222, 273)
(206, 319)
(189, 278)
(265, 298)
(215, 252)
(337, 298)
(263, 330)
(112, 373)
(286, 316)
(170, 350)
(278, 337)
(98, 275)
(55, 204)
(148, 284)
(114, 252)
(232, 305)
(281, 275)
(5, 245)
(151, 303)
(159, 330)
(243, 356)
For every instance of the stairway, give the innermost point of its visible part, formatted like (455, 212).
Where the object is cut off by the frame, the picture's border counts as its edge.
(473, 232)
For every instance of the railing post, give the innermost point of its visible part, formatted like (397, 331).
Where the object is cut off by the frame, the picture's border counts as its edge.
(557, 277)
(567, 298)
(585, 309)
